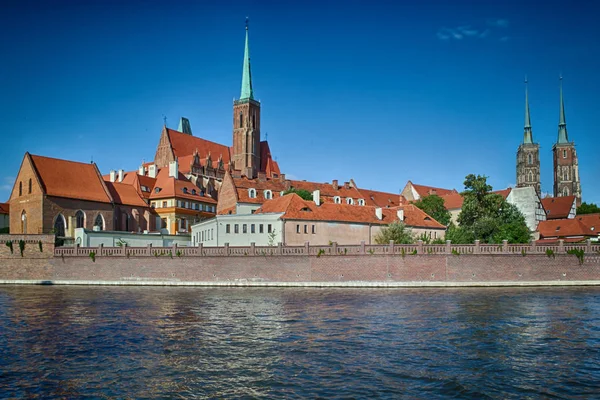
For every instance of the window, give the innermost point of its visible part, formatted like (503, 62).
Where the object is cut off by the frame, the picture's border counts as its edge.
(153, 205)
(59, 225)
(236, 228)
(164, 204)
(211, 233)
(313, 229)
(241, 120)
(185, 190)
(349, 200)
(156, 190)
(145, 188)
(20, 188)
(24, 222)
(80, 219)
(564, 153)
(99, 222)
(252, 193)
(361, 202)
(244, 228)
(193, 191)
(565, 191)
(305, 228)
(261, 228)
(227, 228)
(252, 228)
(297, 228)
(566, 174)
(337, 200)
(29, 186)
(202, 236)
(269, 228)
(254, 119)
(529, 159)
(268, 194)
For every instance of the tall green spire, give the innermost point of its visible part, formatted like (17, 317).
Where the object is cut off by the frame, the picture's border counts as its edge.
(562, 124)
(527, 135)
(246, 73)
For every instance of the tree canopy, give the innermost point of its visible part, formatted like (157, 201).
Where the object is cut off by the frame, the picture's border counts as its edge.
(487, 216)
(434, 206)
(305, 194)
(586, 208)
(396, 231)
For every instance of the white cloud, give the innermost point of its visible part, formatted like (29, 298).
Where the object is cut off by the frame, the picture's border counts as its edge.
(466, 31)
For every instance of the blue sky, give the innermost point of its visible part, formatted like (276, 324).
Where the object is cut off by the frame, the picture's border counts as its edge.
(381, 92)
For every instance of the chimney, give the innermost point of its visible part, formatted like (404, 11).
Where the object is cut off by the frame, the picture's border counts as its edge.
(152, 170)
(334, 183)
(379, 213)
(174, 169)
(262, 177)
(121, 175)
(113, 175)
(317, 197)
(346, 185)
(282, 177)
(141, 170)
(400, 214)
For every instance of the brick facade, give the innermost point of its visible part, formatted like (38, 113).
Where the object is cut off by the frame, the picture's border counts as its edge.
(528, 167)
(246, 137)
(566, 171)
(25, 202)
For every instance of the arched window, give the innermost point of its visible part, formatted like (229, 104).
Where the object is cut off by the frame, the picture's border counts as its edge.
(24, 222)
(254, 120)
(268, 194)
(565, 191)
(564, 153)
(99, 222)
(79, 219)
(566, 174)
(337, 200)
(241, 120)
(29, 185)
(530, 159)
(349, 200)
(252, 193)
(59, 225)
(361, 202)
(20, 188)
(530, 176)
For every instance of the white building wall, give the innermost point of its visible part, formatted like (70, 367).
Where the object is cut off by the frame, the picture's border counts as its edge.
(215, 231)
(246, 208)
(87, 238)
(530, 205)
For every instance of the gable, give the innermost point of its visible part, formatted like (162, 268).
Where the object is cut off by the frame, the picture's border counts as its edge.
(26, 173)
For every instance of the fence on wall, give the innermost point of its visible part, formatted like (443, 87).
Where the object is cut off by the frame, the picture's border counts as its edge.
(331, 250)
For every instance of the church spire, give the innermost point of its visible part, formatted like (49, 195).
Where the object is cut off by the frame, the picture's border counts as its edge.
(527, 135)
(246, 73)
(562, 124)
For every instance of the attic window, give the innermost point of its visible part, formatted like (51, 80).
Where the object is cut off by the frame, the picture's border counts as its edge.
(592, 228)
(427, 219)
(547, 212)
(156, 190)
(145, 188)
(349, 200)
(185, 190)
(193, 191)
(252, 193)
(268, 194)
(337, 200)
(558, 228)
(305, 209)
(361, 202)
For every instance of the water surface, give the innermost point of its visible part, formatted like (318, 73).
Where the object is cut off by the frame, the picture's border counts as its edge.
(135, 342)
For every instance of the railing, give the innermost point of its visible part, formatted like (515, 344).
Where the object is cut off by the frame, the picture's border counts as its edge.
(334, 249)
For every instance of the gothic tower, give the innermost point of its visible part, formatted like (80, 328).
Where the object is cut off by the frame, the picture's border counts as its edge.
(246, 123)
(566, 166)
(528, 155)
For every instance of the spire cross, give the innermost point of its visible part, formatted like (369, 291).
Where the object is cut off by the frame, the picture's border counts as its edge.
(247, 19)
(165, 119)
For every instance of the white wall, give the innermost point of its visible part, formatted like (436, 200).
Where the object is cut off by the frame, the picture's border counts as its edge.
(246, 208)
(213, 232)
(529, 203)
(87, 238)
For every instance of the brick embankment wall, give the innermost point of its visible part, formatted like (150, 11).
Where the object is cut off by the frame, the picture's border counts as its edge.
(337, 270)
(35, 264)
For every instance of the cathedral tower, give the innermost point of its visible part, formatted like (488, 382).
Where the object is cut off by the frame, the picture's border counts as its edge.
(566, 168)
(246, 123)
(528, 155)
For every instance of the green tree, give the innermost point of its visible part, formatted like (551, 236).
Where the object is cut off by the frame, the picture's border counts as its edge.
(487, 216)
(305, 194)
(434, 206)
(586, 208)
(396, 231)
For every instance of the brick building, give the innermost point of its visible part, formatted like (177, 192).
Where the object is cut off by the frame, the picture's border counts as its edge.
(4, 215)
(528, 155)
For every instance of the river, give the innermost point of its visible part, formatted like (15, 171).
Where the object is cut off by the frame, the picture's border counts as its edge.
(154, 342)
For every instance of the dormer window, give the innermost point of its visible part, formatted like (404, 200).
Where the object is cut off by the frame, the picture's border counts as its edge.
(145, 188)
(194, 191)
(157, 190)
(349, 200)
(268, 194)
(361, 202)
(337, 200)
(305, 209)
(185, 190)
(252, 193)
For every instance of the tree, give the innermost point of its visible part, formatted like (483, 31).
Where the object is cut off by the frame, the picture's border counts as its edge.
(434, 206)
(487, 216)
(396, 231)
(586, 208)
(305, 194)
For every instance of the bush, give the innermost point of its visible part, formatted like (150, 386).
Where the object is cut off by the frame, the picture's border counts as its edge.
(9, 244)
(550, 253)
(93, 256)
(396, 231)
(21, 247)
(579, 253)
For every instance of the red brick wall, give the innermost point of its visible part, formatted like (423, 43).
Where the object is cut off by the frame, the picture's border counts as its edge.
(227, 194)
(30, 203)
(273, 269)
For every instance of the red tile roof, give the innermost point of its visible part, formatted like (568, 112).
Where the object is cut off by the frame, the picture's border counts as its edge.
(423, 190)
(382, 199)
(184, 145)
(558, 207)
(268, 165)
(453, 201)
(591, 221)
(169, 187)
(328, 191)
(243, 184)
(125, 194)
(4, 208)
(504, 192)
(70, 179)
(559, 228)
(295, 208)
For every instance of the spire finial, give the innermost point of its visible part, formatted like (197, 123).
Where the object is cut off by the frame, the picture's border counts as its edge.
(247, 19)
(527, 135)
(247, 92)
(563, 137)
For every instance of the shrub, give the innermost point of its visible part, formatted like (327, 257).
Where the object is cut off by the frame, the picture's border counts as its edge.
(550, 253)
(523, 252)
(403, 252)
(93, 256)
(21, 247)
(9, 244)
(179, 253)
(320, 253)
(579, 253)
(455, 252)
(414, 252)
(40, 245)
